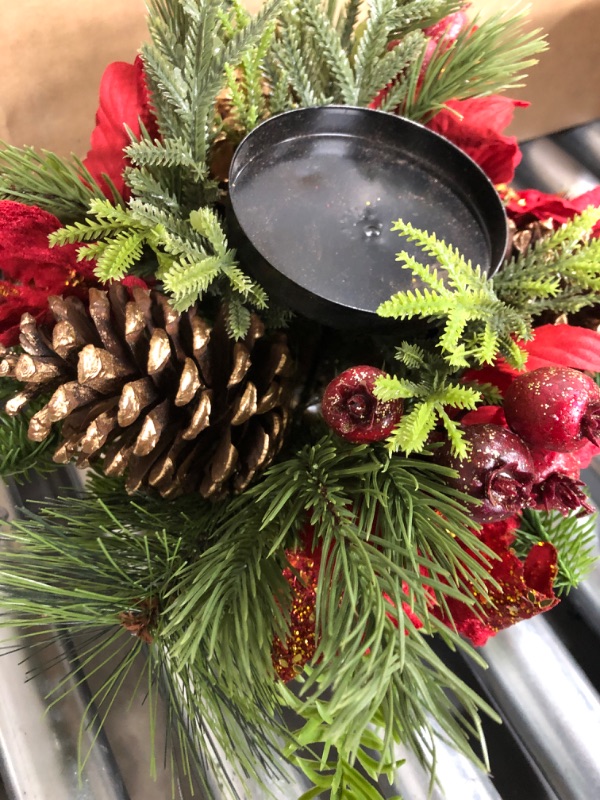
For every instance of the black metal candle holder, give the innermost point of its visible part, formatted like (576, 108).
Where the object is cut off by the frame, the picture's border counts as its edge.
(314, 193)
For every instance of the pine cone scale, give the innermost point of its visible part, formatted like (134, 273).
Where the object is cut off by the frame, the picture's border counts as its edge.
(200, 418)
(189, 383)
(135, 397)
(245, 406)
(99, 370)
(152, 429)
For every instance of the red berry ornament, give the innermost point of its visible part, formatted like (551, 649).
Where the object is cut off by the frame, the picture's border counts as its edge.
(498, 470)
(554, 408)
(351, 409)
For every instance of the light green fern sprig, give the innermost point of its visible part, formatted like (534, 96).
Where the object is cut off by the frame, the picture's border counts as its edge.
(191, 253)
(477, 325)
(432, 389)
(560, 273)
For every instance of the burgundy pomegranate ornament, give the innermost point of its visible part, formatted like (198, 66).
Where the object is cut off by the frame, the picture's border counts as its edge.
(351, 409)
(554, 408)
(498, 470)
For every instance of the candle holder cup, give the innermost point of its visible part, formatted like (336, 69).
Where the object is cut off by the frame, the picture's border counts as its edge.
(313, 196)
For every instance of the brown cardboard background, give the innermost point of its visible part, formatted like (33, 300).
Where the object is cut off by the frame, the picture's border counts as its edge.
(564, 87)
(52, 55)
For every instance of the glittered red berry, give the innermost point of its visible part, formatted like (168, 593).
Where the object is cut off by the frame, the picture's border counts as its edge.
(498, 470)
(351, 409)
(554, 408)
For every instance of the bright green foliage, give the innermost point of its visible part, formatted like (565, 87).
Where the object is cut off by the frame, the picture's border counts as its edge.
(561, 273)
(574, 538)
(65, 188)
(434, 389)
(478, 325)
(192, 253)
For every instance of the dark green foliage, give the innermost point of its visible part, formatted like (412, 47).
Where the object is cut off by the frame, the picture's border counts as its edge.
(214, 575)
(65, 188)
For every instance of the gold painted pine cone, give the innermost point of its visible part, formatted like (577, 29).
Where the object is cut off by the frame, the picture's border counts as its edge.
(161, 398)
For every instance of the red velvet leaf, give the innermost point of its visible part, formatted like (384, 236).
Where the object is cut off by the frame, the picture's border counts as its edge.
(475, 125)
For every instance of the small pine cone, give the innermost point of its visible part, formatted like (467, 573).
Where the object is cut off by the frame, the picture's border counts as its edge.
(528, 235)
(164, 399)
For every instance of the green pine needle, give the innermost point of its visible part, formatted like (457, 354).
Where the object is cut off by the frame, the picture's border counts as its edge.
(20, 457)
(63, 187)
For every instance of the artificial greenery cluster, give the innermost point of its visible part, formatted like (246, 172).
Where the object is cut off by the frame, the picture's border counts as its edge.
(212, 574)
(200, 585)
(480, 319)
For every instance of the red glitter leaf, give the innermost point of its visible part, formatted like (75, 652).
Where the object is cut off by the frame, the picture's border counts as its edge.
(290, 657)
(524, 590)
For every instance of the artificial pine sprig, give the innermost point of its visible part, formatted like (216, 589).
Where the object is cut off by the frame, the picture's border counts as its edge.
(63, 187)
(434, 388)
(391, 529)
(573, 536)
(478, 325)
(77, 566)
(396, 538)
(327, 56)
(560, 273)
(493, 52)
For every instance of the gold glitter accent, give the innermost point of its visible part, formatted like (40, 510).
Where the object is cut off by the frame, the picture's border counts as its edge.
(290, 657)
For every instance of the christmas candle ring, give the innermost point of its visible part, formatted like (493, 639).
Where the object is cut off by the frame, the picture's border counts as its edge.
(313, 196)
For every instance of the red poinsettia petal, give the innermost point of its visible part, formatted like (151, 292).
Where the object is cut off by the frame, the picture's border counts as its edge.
(501, 534)
(565, 345)
(583, 201)
(475, 125)
(499, 375)
(529, 205)
(124, 101)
